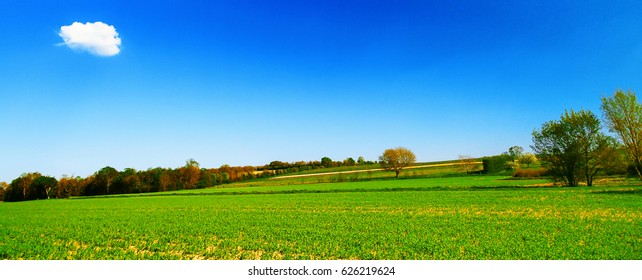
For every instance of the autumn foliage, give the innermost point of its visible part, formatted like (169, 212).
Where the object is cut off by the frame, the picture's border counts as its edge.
(108, 180)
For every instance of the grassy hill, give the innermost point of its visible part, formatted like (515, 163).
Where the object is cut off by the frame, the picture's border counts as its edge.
(438, 217)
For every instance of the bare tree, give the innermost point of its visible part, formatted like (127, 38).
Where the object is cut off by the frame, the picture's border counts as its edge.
(467, 163)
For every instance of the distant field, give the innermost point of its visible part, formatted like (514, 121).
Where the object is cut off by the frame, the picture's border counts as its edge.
(424, 184)
(477, 217)
(369, 167)
(367, 172)
(354, 172)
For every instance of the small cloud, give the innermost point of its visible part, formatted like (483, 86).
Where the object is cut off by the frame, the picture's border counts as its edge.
(96, 38)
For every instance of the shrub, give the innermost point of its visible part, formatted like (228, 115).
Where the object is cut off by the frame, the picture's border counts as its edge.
(512, 165)
(530, 173)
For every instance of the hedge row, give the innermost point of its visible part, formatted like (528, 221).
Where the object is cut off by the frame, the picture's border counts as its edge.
(495, 164)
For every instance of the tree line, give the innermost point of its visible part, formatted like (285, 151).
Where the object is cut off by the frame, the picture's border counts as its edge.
(279, 167)
(108, 180)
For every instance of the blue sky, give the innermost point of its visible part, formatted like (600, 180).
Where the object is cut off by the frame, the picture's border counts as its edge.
(249, 82)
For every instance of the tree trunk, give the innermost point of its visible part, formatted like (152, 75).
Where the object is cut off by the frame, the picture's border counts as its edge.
(638, 168)
(589, 176)
(397, 173)
(571, 179)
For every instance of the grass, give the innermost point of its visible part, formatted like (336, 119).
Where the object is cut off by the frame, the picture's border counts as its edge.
(482, 217)
(378, 185)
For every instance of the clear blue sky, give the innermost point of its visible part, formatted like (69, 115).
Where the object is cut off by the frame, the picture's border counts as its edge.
(249, 82)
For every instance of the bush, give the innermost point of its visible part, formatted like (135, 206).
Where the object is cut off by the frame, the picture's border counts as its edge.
(512, 165)
(530, 173)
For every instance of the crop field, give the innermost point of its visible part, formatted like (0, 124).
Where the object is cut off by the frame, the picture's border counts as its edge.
(481, 217)
(280, 187)
(371, 172)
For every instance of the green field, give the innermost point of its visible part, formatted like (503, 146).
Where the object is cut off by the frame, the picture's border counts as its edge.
(432, 218)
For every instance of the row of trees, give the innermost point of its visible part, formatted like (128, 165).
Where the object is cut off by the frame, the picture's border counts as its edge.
(280, 167)
(575, 149)
(108, 180)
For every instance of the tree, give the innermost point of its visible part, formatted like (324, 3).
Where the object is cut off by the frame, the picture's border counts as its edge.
(396, 159)
(349, 162)
(512, 165)
(127, 181)
(528, 159)
(515, 152)
(69, 186)
(573, 147)
(102, 181)
(21, 188)
(190, 174)
(467, 163)
(623, 116)
(613, 158)
(274, 165)
(43, 187)
(361, 160)
(326, 162)
(598, 152)
(165, 180)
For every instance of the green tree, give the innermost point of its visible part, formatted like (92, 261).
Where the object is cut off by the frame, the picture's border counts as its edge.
(43, 187)
(207, 179)
(21, 188)
(127, 181)
(274, 165)
(326, 162)
(396, 159)
(574, 147)
(515, 152)
(623, 116)
(103, 180)
(349, 162)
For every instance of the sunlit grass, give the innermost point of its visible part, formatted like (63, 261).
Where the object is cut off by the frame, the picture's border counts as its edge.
(438, 218)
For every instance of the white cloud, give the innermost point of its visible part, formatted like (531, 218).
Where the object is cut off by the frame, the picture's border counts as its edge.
(96, 38)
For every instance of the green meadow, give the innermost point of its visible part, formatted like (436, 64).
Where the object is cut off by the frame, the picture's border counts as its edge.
(460, 218)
